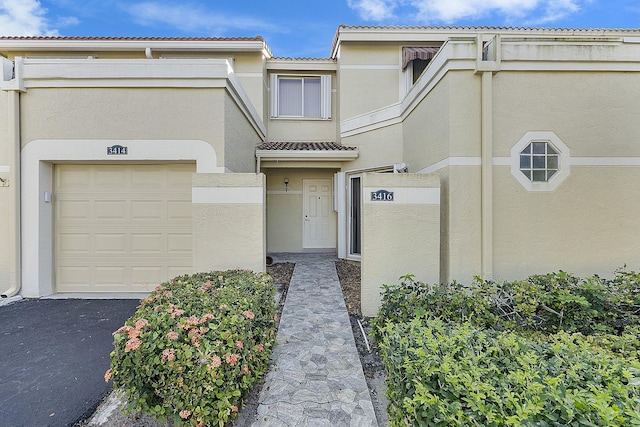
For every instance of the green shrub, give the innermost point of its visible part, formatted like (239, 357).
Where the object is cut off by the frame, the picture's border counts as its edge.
(547, 303)
(195, 346)
(442, 374)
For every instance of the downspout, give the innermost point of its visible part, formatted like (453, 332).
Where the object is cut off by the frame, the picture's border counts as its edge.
(487, 175)
(14, 182)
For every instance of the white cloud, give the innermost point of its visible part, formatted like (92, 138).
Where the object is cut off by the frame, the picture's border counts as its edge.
(449, 11)
(191, 17)
(23, 18)
(373, 10)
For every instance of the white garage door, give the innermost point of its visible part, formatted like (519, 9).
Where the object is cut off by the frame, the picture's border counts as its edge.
(121, 228)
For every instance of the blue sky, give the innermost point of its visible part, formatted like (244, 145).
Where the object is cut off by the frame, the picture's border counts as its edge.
(297, 28)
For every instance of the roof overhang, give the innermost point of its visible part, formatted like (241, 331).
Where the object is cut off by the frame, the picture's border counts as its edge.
(72, 44)
(307, 155)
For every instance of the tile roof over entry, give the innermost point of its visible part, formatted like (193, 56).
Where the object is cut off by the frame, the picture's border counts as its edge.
(312, 146)
(305, 151)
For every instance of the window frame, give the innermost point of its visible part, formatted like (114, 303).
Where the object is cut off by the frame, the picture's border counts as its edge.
(325, 96)
(561, 151)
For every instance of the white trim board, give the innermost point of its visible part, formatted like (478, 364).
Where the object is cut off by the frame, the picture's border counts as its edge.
(506, 161)
(227, 195)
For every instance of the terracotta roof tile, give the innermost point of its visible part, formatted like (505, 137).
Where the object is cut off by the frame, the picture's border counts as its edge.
(304, 146)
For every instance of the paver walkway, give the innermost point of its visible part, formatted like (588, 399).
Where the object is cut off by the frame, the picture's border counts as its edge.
(317, 379)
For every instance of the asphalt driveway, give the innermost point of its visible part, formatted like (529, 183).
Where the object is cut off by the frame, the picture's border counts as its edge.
(53, 356)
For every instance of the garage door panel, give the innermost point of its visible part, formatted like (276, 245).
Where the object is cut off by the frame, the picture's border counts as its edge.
(148, 276)
(74, 243)
(152, 243)
(148, 209)
(111, 276)
(74, 179)
(111, 243)
(110, 209)
(128, 229)
(178, 209)
(78, 276)
(148, 178)
(72, 209)
(177, 180)
(179, 243)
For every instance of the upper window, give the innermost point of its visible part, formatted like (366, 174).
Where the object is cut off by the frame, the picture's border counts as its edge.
(301, 96)
(415, 61)
(540, 161)
(417, 67)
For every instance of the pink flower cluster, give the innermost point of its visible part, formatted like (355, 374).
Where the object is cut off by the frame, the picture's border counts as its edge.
(232, 359)
(189, 322)
(175, 311)
(249, 314)
(206, 286)
(195, 334)
(168, 355)
(108, 375)
(132, 344)
(215, 361)
(133, 333)
(184, 414)
(172, 335)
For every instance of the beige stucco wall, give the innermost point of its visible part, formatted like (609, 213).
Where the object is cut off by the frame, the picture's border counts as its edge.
(446, 124)
(240, 139)
(595, 114)
(462, 214)
(120, 113)
(399, 237)
(588, 225)
(228, 222)
(426, 130)
(376, 148)
(284, 208)
(369, 76)
(307, 130)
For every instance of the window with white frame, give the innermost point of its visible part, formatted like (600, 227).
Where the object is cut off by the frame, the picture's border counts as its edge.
(540, 161)
(300, 96)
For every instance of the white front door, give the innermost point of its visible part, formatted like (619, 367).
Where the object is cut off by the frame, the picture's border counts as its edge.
(319, 219)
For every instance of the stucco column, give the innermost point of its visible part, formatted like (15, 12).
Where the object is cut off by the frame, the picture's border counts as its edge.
(487, 175)
(400, 232)
(229, 221)
(14, 195)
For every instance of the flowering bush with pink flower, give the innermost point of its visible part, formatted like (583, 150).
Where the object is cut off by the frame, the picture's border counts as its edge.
(196, 346)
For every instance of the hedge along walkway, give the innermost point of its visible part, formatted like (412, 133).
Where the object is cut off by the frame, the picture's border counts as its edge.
(317, 379)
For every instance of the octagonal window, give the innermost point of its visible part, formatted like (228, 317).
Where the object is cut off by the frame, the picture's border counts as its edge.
(539, 161)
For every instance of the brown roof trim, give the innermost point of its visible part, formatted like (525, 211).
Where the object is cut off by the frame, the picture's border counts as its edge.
(304, 146)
